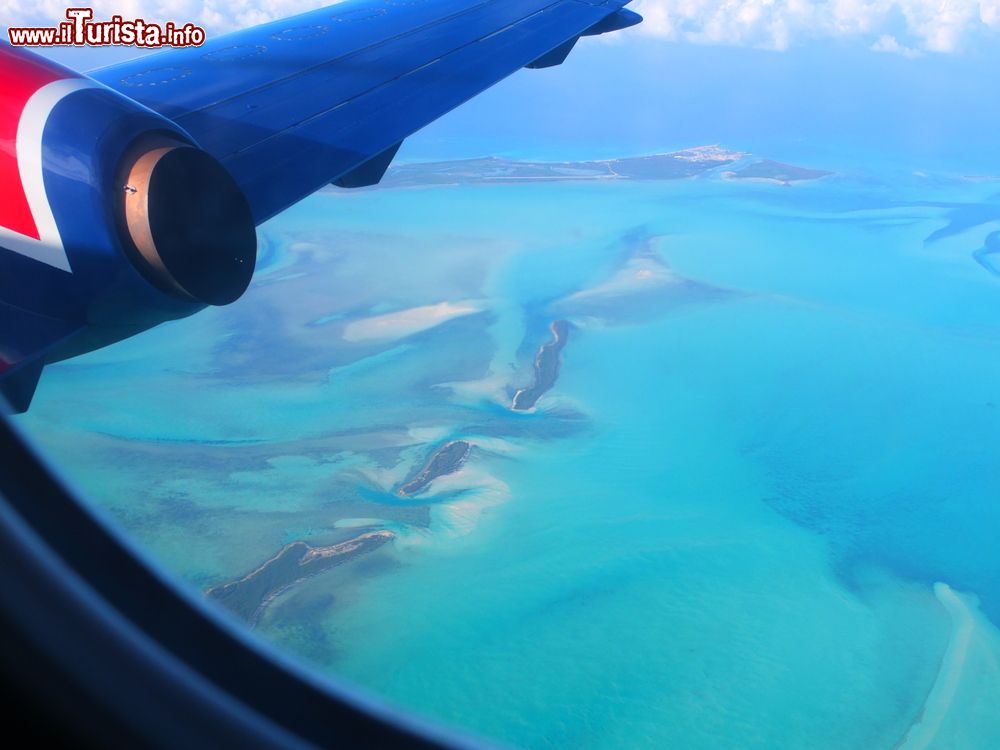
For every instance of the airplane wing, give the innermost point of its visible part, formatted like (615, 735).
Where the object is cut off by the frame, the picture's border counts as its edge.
(329, 95)
(26, 339)
(286, 107)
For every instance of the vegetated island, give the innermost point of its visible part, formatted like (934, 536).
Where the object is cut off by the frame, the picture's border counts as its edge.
(248, 596)
(768, 170)
(676, 165)
(547, 363)
(447, 459)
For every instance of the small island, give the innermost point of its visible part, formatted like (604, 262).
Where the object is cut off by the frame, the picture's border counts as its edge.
(248, 596)
(447, 459)
(767, 170)
(547, 363)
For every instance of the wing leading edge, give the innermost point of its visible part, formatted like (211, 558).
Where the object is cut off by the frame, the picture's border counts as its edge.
(328, 95)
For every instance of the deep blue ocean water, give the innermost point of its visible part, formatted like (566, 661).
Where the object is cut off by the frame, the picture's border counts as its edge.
(758, 509)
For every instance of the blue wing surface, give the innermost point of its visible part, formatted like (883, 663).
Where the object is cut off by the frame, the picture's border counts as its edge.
(27, 338)
(293, 105)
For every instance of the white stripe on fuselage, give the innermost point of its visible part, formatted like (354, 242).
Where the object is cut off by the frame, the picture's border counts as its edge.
(48, 248)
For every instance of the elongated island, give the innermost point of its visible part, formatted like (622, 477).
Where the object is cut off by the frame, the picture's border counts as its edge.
(447, 459)
(547, 363)
(247, 597)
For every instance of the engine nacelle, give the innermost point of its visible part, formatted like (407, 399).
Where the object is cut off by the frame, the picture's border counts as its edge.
(110, 214)
(188, 221)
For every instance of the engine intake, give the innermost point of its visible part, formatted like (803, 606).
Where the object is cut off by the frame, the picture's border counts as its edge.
(188, 222)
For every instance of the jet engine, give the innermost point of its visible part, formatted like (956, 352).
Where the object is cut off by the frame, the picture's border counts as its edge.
(111, 208)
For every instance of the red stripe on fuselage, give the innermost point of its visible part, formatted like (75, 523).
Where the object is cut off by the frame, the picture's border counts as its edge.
(20, 77)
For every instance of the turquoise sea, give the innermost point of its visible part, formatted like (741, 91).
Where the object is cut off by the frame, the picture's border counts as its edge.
(757, 510)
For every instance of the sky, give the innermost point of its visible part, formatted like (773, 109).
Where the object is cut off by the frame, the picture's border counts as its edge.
(904, 27)
(837, 84)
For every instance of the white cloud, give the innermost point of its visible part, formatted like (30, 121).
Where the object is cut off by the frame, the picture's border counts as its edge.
(989, 13)
(904, 27)
(899, 26)
(889, 43)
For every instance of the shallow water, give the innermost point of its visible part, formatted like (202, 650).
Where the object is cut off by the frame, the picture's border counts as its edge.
(723, 526)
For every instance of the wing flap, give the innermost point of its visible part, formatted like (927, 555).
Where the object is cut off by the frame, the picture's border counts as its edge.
(556, 56)
(370, 172)
(622, 19)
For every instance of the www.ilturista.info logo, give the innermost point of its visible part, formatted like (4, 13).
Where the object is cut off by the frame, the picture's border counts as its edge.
(80, 29)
